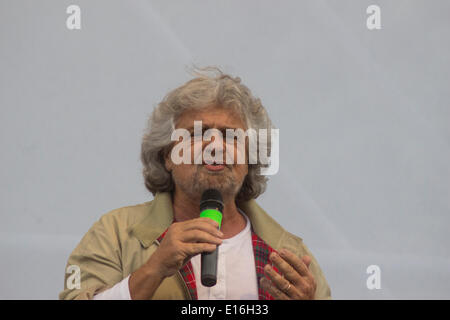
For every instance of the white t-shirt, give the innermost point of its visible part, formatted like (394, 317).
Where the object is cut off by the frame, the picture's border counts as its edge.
(236, 273)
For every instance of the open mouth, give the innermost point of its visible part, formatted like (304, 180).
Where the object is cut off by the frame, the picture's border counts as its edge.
(214, 166)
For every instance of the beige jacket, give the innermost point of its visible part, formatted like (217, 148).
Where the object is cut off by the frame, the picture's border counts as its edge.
(123, 240)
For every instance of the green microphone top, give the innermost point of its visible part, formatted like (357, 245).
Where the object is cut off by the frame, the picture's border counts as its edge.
(212, 214)
(211, 205)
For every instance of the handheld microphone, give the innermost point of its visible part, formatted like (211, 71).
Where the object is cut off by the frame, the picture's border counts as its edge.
(211, 206)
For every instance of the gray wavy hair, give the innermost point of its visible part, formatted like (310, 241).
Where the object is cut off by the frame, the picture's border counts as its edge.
(210, 87)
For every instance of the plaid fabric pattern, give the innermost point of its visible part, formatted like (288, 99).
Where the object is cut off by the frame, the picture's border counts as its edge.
(261, 251)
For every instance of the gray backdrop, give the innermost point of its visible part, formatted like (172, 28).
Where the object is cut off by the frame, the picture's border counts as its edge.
(363, 115)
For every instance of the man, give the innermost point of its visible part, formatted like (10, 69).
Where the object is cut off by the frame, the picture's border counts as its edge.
(152, 250)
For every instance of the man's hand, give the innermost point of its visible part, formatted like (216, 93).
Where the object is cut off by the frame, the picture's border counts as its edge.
(296, 281)
(184, 240)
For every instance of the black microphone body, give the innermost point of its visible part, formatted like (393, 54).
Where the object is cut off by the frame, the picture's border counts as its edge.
(211, 206)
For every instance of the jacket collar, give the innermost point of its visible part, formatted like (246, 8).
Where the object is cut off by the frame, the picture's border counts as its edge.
(160, 217)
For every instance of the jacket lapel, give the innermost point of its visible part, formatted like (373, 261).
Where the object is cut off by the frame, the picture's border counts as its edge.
(158, 219)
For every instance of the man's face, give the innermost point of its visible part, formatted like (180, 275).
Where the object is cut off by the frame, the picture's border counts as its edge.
(193, 178)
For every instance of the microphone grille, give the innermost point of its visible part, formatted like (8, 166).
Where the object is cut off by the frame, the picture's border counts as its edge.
(211, 197)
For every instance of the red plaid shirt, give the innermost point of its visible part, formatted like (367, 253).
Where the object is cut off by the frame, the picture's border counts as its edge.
(261, 251)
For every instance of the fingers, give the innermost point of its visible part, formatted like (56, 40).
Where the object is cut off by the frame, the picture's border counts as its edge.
(297, 263)
(200, 236)
(273, 290)
(196, 248)
(201, 230)
(203, 220)
(204, 224)
(285, 268)
(279, 281)
(286, 283)
(294, 271)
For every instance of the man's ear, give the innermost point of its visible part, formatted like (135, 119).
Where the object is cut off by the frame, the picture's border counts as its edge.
(168, 164)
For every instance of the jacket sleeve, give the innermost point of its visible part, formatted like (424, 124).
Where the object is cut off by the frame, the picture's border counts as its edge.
(98, 259)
